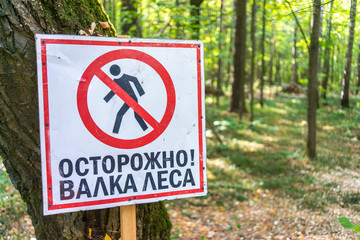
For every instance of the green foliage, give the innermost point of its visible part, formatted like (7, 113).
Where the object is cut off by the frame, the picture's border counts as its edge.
(174, 20)
(345, 222)
(12, 208)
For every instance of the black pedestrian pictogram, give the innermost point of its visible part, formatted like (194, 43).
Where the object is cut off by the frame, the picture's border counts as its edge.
(127, 96)
(124, 83)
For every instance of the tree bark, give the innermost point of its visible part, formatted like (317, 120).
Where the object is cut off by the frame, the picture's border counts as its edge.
(312, 83)
(19, 128)
(326, 69)
(253, 52)
(238, 98)
(347, 72)
(262, 77)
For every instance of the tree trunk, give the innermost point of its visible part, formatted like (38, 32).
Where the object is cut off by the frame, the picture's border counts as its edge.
(326, 70)
(253, 52)
(319, 58)
(332, 68)
(238, 98)
(219, 91)
(262, 77)
(195, 18)
(312, 83)
(347, 71)
(19, 128)
(277, 73)
(129, 10)
(272, 54)
(358, 73)
(294, 76)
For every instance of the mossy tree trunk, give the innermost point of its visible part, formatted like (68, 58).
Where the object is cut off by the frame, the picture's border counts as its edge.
(20, 20)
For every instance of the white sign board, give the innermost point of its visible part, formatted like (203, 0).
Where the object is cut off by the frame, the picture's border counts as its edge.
(122, 121)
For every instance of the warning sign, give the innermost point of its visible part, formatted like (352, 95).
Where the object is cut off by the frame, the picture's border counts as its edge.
(121, 121)
(123, 89)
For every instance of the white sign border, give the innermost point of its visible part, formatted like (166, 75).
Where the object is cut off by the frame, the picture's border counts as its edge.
(41, 41)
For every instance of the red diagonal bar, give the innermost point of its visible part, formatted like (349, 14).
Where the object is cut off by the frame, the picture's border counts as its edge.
(127, 99)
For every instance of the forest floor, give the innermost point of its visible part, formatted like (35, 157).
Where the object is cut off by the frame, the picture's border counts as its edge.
(261, 185)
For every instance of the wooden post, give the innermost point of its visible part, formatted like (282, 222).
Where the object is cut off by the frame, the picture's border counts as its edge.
(128, 222)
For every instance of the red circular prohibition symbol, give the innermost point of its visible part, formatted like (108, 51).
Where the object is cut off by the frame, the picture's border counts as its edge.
(94, 69)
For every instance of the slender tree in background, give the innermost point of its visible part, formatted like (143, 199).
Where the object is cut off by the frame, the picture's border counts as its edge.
(238, 93)
(358, 73)
(19, 128)
(294, 75)
(319, 54)
(347, 72)
(176, 19)
(332, 68)
(277, 69)
(130, 19)
(272, 54)
(326, 68)
(219, 77)
(253, 52)
(195, 18)
(262, 76)
(312, 79)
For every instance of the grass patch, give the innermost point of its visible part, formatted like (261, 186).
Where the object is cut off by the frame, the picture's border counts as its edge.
(270, 151)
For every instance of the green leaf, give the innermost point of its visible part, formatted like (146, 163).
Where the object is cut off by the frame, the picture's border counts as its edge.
(346, 223)
(357, 228)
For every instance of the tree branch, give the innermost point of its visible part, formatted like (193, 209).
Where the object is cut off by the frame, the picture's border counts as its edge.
(298, 23)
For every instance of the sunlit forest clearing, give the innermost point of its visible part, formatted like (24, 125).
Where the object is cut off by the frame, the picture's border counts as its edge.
(262, 185)
(282, 81)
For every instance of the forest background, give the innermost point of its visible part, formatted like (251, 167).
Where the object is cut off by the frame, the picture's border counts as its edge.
(269, 176)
